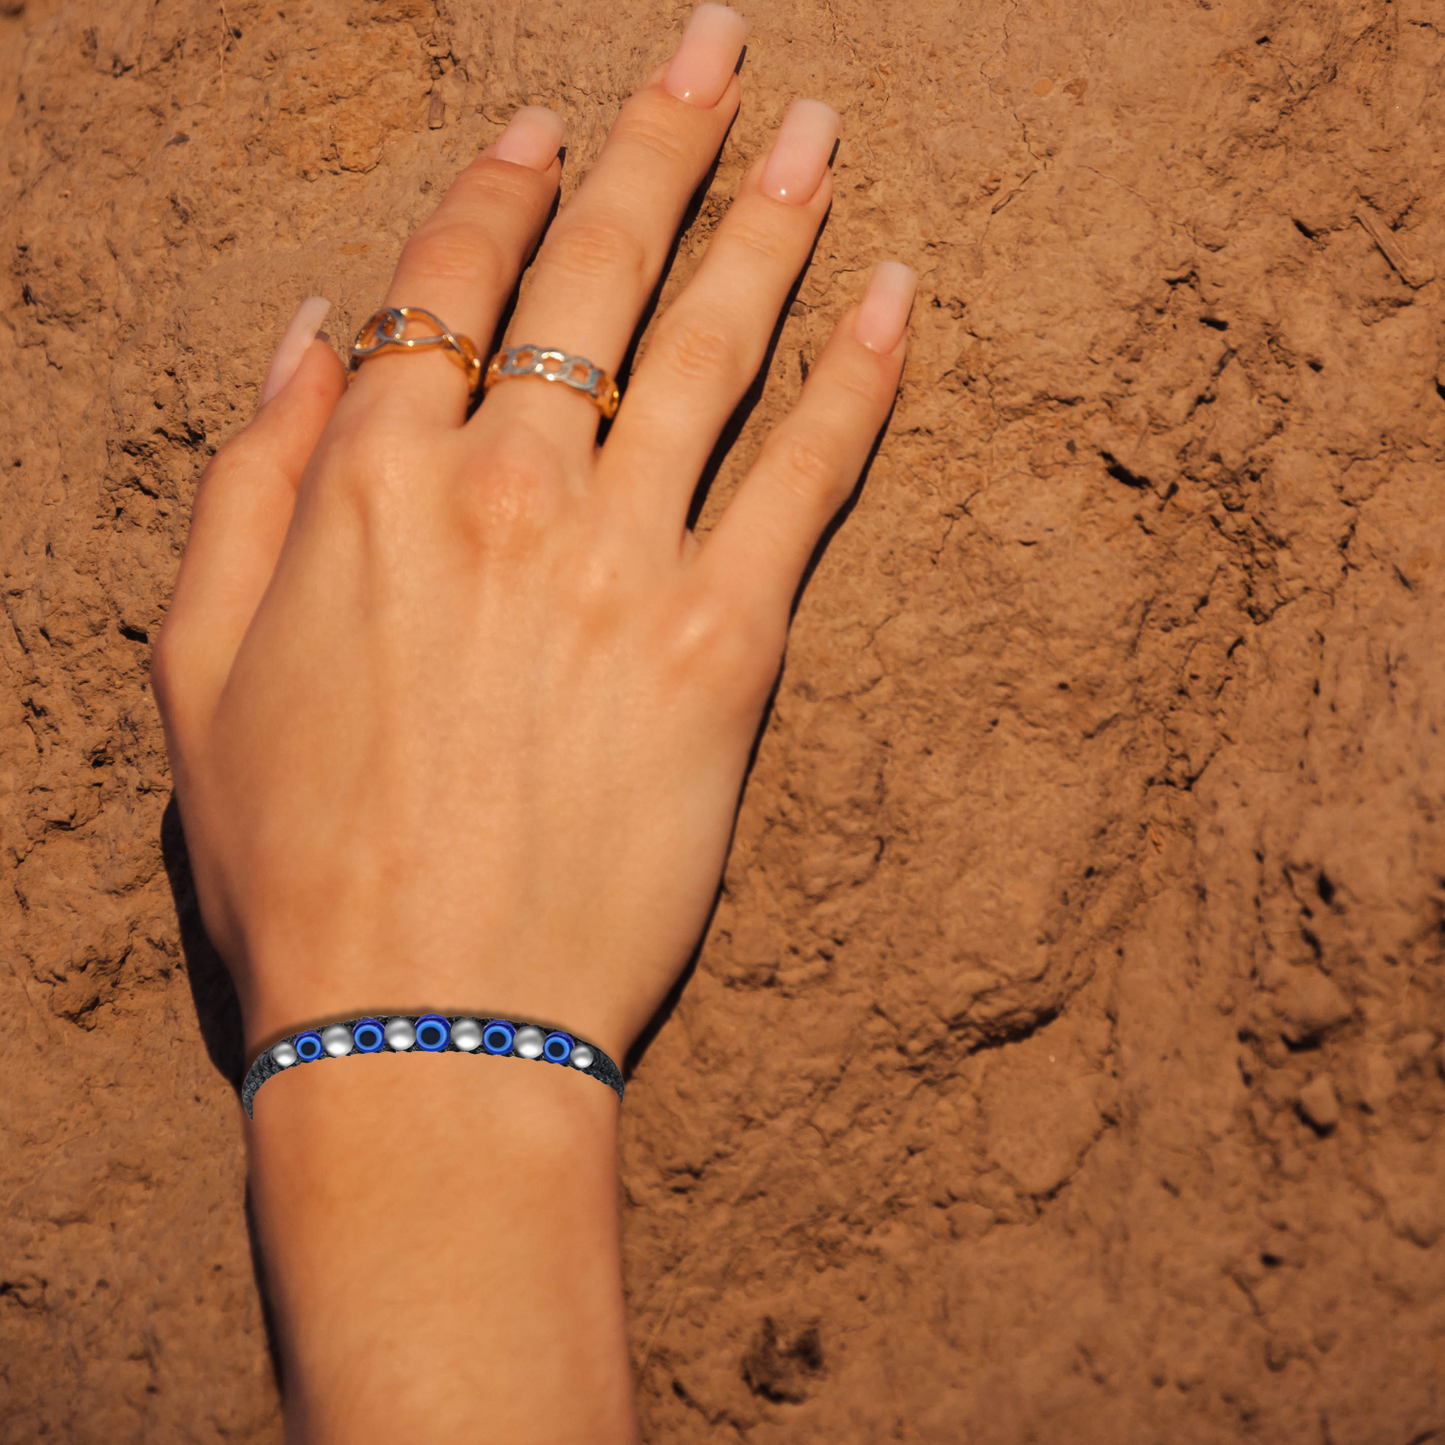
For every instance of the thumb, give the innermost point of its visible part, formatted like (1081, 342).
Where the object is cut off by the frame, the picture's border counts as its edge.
(239, 520)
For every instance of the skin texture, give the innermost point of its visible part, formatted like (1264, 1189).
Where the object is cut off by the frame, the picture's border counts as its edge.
(548, 845)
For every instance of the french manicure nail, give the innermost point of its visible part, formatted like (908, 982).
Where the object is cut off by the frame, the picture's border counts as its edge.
(707, 57)
(531, 139)
(299, 334)
(883, 315)
(800, 152)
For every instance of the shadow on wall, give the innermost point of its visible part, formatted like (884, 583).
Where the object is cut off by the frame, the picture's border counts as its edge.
(218, 1009)
(218, 1012)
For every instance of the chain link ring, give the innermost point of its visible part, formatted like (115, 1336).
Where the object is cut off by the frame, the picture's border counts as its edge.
(551, 365)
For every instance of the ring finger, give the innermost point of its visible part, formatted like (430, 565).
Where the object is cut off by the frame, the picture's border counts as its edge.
(605, 251)
(712, 340)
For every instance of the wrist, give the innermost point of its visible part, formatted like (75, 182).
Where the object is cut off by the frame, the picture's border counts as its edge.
(401, 1209)
(272, 1011)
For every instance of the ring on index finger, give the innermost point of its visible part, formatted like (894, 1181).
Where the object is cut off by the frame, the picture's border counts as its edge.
(385, 330)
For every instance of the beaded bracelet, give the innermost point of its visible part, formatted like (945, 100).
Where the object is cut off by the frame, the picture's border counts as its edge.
(432, 1034)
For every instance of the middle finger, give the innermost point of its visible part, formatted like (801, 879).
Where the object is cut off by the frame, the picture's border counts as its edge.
(603, 255)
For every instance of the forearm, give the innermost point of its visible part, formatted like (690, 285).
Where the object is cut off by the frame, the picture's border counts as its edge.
(441, 1251)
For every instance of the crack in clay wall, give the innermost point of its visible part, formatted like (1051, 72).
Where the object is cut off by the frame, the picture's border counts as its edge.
(1064, 1060)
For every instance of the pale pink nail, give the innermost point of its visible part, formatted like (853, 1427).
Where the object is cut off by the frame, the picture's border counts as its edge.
(800, 153)
(531, 139)
(881, 319)
(297, 337)
(707, 57)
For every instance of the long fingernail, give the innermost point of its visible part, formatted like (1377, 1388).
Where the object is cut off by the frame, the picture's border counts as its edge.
(294, 341)
(707, 57)
(800, 153)
(883, 316)
(532, 138)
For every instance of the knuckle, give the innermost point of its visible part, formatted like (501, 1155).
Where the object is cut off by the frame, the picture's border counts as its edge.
(595, 588)
(808, 466)
(651, 122)
(723, 650)
(859, 380)
(452, 253)
(355, 458)
(488, 184)
(599, 248)
(764, 235)
(699, 349)
(513, 501)
(368, 467)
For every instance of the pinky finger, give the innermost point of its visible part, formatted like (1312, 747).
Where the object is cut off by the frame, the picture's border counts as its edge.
(810, 463)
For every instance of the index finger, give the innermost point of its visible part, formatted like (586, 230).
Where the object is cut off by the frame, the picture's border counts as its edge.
(461, 264)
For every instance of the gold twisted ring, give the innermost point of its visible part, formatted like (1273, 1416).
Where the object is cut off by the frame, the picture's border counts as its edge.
(385, 330)
(574, 371)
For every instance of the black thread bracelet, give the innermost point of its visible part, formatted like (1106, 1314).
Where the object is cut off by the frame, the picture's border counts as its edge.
(430, 1034)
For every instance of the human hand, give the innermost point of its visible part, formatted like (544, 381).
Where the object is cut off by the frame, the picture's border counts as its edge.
(459, 709)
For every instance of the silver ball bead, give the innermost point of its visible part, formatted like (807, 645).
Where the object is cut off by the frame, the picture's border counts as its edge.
(400, 1034)
(284, 1053)
(336, 1040)
(467, 1034)
(528, 1042)
(581, 1057)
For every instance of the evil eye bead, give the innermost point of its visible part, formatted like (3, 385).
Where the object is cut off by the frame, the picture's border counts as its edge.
(581, 1057)
(432, 1032)
(497, 1037)
(528, 1042)
(557, 1047)
(336, 1040)
(400, 1034)
(367, 1036)
(308, 1047)
(467, 1035)
(284, 1054)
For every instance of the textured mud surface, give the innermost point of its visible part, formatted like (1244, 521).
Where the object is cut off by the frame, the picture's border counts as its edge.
(1064, 1061)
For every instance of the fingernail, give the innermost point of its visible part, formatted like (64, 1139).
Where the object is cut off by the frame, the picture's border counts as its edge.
(881, 319)
(707, 57)
(800, 153)
(532, 138)
(296, 338)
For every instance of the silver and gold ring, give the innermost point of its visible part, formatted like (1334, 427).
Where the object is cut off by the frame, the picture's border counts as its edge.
(552, 365)
(385, 330)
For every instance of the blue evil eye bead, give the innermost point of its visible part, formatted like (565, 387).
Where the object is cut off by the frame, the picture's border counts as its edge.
(284, 1053)
(467, 1034)
(308, 1047)
(528, 1042)
(582, 1057)
(400, 1035)
(497, 1037)
(432, 1032)
(367, 1036)
(557, 1047)
(336, 1040)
